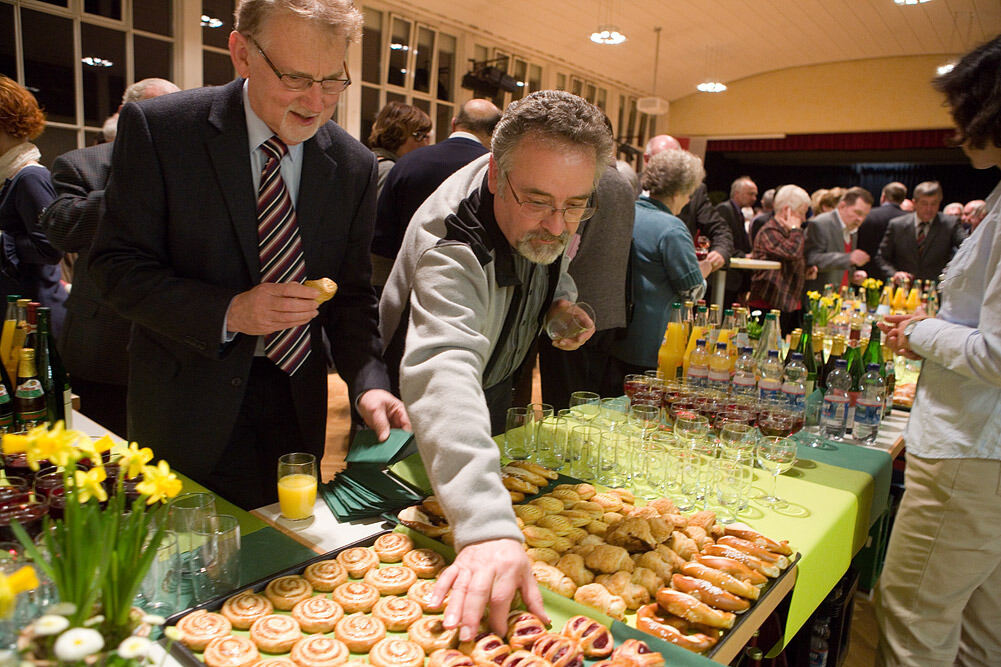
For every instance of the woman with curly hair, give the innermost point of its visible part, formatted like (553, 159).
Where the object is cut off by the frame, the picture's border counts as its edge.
(30, 265)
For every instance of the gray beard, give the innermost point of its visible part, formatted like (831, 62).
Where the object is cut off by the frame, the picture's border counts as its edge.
(545, 254)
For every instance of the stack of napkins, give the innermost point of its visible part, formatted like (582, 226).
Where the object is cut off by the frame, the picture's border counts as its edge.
(367, 488)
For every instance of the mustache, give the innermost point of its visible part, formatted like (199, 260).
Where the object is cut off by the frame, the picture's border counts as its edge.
(543, 235)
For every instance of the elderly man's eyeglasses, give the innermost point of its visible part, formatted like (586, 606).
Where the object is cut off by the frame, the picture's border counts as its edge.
(300, 82)
(539, 211)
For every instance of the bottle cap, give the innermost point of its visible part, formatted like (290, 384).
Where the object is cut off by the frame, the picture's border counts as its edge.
(841, 363)
(773, 353)
(872, 367)
(746, 350)
(796, 356)
(700, 341)
(720, 346)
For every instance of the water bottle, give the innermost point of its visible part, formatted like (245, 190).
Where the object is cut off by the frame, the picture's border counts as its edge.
(719, 369)
(819, 645)
(770, 384)
(834, 415)
(794, 383)
(698, 365)
(869, 407)
(745, 374)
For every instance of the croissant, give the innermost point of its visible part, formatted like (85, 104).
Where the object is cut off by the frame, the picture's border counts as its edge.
(652, 560)
(693, 610)
(683, 545)
(704, 519)
(767, 569)
(664, 506)
(621, 584)
(553, 579)
(709, 593)
(572, 565)
(745, 532)
(632, 534)
(609, 559)
(753, 549)
(660, 528)
(669, 556)
(599, 528)
(699, 534)
(648, 579)
(722, 580)
(597, 596)
(646, 512)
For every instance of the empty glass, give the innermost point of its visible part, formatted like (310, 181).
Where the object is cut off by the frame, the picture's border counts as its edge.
(776, 455)
(614, 412)
(160, 590)
(570, 322)
(585, 405)
(583, 452)
(540, 412)
(186, 512)
(216, 560)
(550, 442)
(644, 418)
(518, 434)
(614, 451)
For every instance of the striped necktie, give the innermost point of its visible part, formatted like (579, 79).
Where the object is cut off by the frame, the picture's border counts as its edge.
(280, 249)
(922, 235)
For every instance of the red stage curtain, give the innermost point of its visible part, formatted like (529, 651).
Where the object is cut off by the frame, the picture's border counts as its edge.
(851, 141)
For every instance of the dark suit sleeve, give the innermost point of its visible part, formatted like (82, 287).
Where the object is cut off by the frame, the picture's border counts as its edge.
(71, 220)
(33, 193)
(709, 222)
(130, 261)
(887, 256)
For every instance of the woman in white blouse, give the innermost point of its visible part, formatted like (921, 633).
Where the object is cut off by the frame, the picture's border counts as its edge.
(939, 597)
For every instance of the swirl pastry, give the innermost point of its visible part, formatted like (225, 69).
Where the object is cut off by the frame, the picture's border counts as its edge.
(284, 592)
(425, 562)
(355, 596)
(200, 627)
(593, 638)
(397, 614)
(397, 653)
(421, 594)
(359, 632)
(523, 628)
(655, 621)
(391, 580)
(559, 650)
(523, 658)
(275, 662)
(230, 651)
(319, 651)
(432, 635)
(391, 547)
(357, 561)
(243, 609)
(275, 633)
(638, 654)
(449, 657)
(318, 614)
(486, 648)
(325, 575)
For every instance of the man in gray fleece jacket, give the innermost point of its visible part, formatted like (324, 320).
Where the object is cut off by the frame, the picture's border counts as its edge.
(476, 278)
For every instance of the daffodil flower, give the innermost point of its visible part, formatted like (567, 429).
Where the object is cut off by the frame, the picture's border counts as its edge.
(89, 484)
(158, 483)
(133, 459)
(20, 581)
(77, 643)
(15, 444)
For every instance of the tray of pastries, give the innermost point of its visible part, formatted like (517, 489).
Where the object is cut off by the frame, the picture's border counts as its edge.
(370, 603)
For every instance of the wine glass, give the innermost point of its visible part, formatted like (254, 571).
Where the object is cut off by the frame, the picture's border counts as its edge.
(644, 418)
(776, 455)
(776, 420)
(690, 426)
(633, 384)
(701, 247)
(584, 405)
(615, 412)
(735, 436)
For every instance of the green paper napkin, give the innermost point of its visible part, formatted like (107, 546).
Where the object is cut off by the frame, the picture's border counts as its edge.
(366, 449)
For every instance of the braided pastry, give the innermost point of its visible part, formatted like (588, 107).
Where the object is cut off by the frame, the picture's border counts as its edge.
(421, 594)
(432, 635)
(357, 561)
(200, 627)
(284, 592)
(427, 563)
(355, 596)
(319, 651)
(243, 609)
(318, 614)
(391, 547)
(230, 651)
(392, 579)
(558, 650)
(325, 575)
(487, 648)
(638, 654)
(359, 632)
(275, 633)
(397, 614)
(449, 657)
(523, 628)
(593, 638)
(396, 653)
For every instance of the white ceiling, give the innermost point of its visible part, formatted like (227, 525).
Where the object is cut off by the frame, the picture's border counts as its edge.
(727, 39)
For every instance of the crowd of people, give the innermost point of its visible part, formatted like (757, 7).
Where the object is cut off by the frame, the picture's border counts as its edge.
(195, 227)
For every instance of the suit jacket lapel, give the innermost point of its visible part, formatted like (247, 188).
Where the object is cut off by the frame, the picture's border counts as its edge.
(317, 186)
(230, 157)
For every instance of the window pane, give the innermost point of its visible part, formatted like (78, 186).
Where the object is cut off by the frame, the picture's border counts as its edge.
(217, 69)
(561, 82)
(446, 67)
(48, 63)
(111, 9)
(576, 86)
(153, 58)
(395, 97)
(399, 49)
(369, 110)
(480, 53)
(8, 59)
(371, 47)
(103, 84)
(520, 73)
(153, 16)
(54, 142)
(589, 92)
(534, 78)
(57, 3)
(631, 128)
(600, 102)
(443, 122)
(217, 22)
(423, 59)
(423, 105)
(641, 134)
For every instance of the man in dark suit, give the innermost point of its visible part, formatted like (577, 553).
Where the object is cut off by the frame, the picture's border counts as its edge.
(419, 173)
(831, 243)
(743, 193)
(94, 336)
(221, 201)
(870, 234)
(918, 245)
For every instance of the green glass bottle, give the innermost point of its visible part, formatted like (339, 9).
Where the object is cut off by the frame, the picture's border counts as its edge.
(873, 353)
(51, 372)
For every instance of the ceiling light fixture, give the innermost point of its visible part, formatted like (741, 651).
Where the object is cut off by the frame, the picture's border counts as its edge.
(211, 21)
(711, 87)
(607, 32)
(712, 84)
(94, 61)
(653, 105)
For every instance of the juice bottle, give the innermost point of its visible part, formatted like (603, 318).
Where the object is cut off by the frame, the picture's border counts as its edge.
(670, 358)
(9, 324)
(913, 300)
(899, 302)
(698, 331)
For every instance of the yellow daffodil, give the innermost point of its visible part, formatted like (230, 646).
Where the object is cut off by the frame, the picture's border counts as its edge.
(93, 449)
(827, 301)
(56, 445)
(15, 444)
(158, 483)
(10, 585)
(88, 484)
(813, 295)
(134, 458)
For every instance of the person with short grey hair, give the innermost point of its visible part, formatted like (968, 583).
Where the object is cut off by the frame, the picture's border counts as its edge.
(145, 89)
(672, 173)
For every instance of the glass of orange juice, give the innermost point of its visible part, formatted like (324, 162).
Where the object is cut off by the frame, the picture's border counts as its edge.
(297, 485)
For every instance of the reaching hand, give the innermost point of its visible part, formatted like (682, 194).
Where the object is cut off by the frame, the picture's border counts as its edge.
(859, 257)
(382, 411)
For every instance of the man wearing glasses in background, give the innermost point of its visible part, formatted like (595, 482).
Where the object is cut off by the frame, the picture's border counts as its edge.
(221, 202)
(480, 270)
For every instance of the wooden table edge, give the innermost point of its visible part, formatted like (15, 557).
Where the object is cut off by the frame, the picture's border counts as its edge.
(735, 641)
(287, 531)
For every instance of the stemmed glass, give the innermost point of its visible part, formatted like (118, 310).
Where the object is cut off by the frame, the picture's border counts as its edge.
(776, 419)
(644, 418)
(615, 412)
(584, 405)
(776, 455)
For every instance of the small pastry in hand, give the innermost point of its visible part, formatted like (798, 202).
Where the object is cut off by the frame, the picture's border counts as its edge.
(721, 579)
(421, 594)
(432, 635)
(357, 561)
(599, 597)
(325, 575)
(486, 649)
(200, 627)
(427, 563)
(230, 651)
(609, 559)
(397, 653)
(621, 584)
(397, 614)
(593, 638)
(359, 632)
(284, 592)
(244, 608)
(653, 620)
(693, 610)
(326, 287)
(553, 578)
(392, 579)
(391, 547)
(559, 650)
(523, 628)
(275, 633)
(638, 654)
(319, 651)
(712, 595)
(317, 614)
(355, 596)
(572, 565)
(449, 657)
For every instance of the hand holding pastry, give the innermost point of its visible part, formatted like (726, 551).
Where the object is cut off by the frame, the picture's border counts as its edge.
(326, 287)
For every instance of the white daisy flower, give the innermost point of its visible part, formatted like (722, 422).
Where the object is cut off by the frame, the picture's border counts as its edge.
(49, 624)
(153, 619)
(133, 648)
(93, 620)
(77, 643)
(173, 633)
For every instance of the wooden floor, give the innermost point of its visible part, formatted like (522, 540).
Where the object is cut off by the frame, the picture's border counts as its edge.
(862, 646)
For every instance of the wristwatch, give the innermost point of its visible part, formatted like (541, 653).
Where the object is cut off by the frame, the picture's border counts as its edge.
(909, 329)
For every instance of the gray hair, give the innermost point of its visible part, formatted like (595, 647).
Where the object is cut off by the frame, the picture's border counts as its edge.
(739, 183)
(341, 16)
(554, 117)
(927, 189)
(768, 199)
(110, 128)
(671, 173)
(147, 88)
(792, 196)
